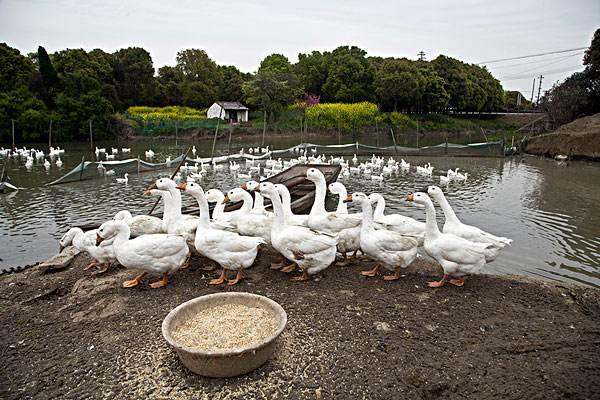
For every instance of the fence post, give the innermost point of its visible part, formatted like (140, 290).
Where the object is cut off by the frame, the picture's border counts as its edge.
(50, 135)
(13, 132)
(82, 166)
(91, 136)
(394, 140)
(229, 142)
(417, 134)
(138, 164)
(264, 126)
(212, 152)
(446, 146)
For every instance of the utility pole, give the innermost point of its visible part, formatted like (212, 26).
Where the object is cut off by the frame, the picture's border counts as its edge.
(421, 55)
(532, 91)
(539, 90)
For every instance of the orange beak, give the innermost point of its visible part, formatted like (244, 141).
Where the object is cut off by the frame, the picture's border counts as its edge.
(244, 186)
(257, 189)
(147, 192)
(410, 197)
(99, 239)
(348, 199)
(226, 199)
(182, 186)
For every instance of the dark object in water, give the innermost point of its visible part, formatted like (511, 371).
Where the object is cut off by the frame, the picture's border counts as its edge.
(301, 189)
(6, 187)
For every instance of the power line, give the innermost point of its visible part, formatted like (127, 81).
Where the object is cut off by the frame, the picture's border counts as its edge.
(531, 55)
(549, 72)
(537, 61)
(519, 73)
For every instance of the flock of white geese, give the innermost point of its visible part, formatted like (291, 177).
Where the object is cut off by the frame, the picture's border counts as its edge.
(309, 243)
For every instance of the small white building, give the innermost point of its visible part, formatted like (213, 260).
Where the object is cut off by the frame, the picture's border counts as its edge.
(232, 111)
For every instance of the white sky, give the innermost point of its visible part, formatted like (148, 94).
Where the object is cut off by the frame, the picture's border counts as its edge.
(242, 32)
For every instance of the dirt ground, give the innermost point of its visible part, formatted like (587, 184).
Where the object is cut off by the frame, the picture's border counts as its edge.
(579, 139)
(71, 335)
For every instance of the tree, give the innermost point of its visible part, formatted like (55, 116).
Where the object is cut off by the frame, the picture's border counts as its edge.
(275, 63)
(591, 59)
(49, 77)
(134, 77)
(349, 76)
(15, 69)
(271, 92)
(231, 82)
(200, 74)
(311, 70)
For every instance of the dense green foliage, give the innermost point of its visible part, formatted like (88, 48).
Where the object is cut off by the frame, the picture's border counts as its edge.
(579, 94)
(73, 86)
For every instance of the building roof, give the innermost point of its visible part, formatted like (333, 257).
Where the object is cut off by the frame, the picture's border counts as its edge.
(232, 105)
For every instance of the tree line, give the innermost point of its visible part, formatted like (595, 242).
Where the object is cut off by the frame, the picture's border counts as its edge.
(73, 86)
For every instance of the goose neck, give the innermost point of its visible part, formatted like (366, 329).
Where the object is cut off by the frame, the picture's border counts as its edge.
(318, 206)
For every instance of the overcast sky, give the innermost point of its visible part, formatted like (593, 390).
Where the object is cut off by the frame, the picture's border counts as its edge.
(242, 32)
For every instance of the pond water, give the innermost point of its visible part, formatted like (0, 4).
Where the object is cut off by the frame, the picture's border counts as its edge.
(550, 212)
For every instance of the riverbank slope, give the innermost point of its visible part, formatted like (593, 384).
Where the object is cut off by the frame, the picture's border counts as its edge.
(71, 335)
(577, 139)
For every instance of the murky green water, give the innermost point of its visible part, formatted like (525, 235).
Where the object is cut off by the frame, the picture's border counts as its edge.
(551, 212)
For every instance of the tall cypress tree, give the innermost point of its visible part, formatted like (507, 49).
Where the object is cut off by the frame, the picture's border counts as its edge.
(49, 76)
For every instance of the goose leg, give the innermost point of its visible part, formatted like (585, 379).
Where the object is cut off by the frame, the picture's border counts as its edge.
(238, 277)
(344, 261)
(301, 278)
(457, 282)
(135, 281)
(439, 283)
(186, 263)
(278, 265)
(371, 272)
(102, 270)
(90, 265)
(163, 282)
(221, 279)
(394, 276)
(289, 268)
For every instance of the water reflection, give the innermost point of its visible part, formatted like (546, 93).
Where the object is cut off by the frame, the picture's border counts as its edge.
(550, 212)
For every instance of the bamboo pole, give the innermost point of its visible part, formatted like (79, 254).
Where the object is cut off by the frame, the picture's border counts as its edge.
(172, 176)
(91, 136)
(82, 166)
(13, 132)
(229, 141)
(50, 135)
(264, 127)
(212, 152)
(394, 140)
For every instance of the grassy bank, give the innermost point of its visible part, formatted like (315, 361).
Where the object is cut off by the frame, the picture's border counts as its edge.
(356, 120)
(71, 335)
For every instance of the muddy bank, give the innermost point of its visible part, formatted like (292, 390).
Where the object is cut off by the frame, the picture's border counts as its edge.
(71, 335)
(578, 139)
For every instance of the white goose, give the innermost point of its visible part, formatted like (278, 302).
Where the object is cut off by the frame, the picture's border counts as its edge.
(246, 222)
(141, 224)
(395, 222)
(454, 226)
(321, 220)
(311, 251)
(230, 250)
(177, 223)
(102, 255)
(158, 253)
(457, 256)
(216, 196)
(339, 189)
(286, 200)
(259, 207)
(388, 248)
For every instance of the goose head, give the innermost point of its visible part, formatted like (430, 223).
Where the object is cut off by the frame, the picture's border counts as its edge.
(357, 198)
(192, 188)
(418, 197)
(375, 197)
(163, 184)
(267, 189)
(250, 186)
(435, 192)
(234, 195)
(108, 230)
(314, 175)
(214, 196)
(67, 238)
(337, 188)
(123, 215)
